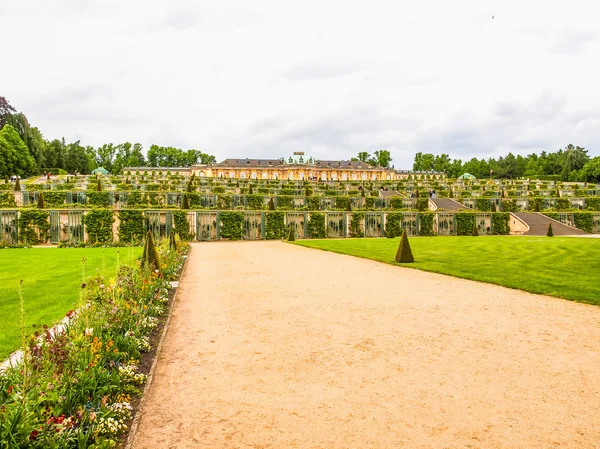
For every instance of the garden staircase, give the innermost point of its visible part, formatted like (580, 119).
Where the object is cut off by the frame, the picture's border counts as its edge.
(447, 204)
(538, 225)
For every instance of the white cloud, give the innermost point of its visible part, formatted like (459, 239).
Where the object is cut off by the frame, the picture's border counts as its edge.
(263, 78)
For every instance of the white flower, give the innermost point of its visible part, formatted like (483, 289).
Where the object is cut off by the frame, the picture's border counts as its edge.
(89, 331)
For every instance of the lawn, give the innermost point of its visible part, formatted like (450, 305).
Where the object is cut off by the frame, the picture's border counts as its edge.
(51, 283)
(565, 267)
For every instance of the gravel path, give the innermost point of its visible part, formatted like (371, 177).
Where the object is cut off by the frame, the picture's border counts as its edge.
(277, 346)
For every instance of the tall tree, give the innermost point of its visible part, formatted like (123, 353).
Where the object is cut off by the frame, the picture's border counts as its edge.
(6, 110)
(381, 158)
(15, 154)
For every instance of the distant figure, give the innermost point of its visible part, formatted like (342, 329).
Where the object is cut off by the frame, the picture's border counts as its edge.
(492, 17)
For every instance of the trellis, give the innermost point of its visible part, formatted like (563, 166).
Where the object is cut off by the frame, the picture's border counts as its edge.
(254, 225)
(299, 221)
(207, 226)
(336, 224)
(9, 230)
(374, 224)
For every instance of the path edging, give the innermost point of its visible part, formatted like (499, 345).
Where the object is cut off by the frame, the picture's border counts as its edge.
(138, 416)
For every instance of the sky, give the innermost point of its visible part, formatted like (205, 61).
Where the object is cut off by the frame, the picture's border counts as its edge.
(330, 78)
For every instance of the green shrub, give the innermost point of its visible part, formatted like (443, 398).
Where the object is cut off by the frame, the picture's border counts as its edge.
(291, 235)
(356, 224)
(99, 199)
(316, 226)
(218, 189)
(313, 203)
(98, 224)
(550, 232)
(562, 204)
(34, 227)
(482, 204)
(509, 205)
(275, 225)
(231, 225)
(500, 223)
(150, 257)
(464, 223)
(131, 226)
(255, 202)
(7, 199)
(396, 203)
(182, 226)
(425, 223)
(584, 221)
(422, 204)
(285, 202)
(404, 253)
(393, 224)
(342, 203)
(592, 203)
(223, 202)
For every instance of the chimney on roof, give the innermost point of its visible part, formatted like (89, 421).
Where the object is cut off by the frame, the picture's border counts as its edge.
(298, 153)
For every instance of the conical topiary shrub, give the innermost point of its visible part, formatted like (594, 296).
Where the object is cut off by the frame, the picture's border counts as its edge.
(404, 253)
(362, 193)
(189, 187)
(291, 234)
(450, 195)
(150, 258)
(493, 206)
(6, 179)
(18, 185)
(475, 232)
(99, 186)
(41, 204)
(271, 204)
(550, 232)
(185, 203)
(349, 208)
(536, 207)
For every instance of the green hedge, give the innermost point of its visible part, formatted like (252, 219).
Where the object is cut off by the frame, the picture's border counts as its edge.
(500, 223)
(592, 203)
(275, 225)
(98, 224)
(425, 223)
(255, 202)
(7, 199)
(508, 206)
(181, 225)
(316, 226)
(285, 202)
(482, 204)
(132, 226)
(313, 203)
(465, 221)
(231, 225)
(584, 221)
(396, 203)
(99, 199)
(342, 202)
(393, 224)
(34, 227)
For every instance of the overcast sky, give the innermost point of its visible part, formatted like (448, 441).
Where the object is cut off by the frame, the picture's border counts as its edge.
(331, 78)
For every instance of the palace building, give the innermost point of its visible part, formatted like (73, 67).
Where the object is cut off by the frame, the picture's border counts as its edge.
(298, 167)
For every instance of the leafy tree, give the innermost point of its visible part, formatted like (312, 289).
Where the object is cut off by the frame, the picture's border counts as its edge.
(6, 110)
(14, 154)
(363, 156)
(105, 156)
(591, 170)
(76, 158)
(382, 158)
(574, 158)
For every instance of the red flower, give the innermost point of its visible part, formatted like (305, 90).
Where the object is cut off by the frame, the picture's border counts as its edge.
(33, 435)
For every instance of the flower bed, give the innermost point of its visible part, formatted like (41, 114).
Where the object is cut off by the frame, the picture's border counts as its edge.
(78, 385)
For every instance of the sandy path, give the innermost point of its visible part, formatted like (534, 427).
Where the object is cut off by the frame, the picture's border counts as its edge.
(277, 346)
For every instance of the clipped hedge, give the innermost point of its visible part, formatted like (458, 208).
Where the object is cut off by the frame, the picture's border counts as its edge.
(98, 224)
(316, 226)
(584, 221)
(465, 221)
(393, 224)
(132, 226)
(425, 224)
(181, 225)
(231, 225)
(275, 225)
(500, 223)
(34, 227)
(99, 199)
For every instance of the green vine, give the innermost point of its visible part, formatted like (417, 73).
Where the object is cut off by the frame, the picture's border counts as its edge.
(316, 226)
(98, 224)
(182, 226)
(465, 222)
(356, 225)
(131, 226)
(500, 223)
(34, 227)
(275, 225)
(231, 225)
(426, 223)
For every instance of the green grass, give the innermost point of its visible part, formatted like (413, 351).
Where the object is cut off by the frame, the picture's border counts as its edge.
(559, 266)
(51, 283)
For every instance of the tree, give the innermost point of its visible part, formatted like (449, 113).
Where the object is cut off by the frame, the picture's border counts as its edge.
(291, 234)
(15, 156)
(105, 156)
(363, 156)
(550, 232)
(423, 162)
(76, 158)
(5, 111)
(574, 158)
(382, 158)
(591, 170)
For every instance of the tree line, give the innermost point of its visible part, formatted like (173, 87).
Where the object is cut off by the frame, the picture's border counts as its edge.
(569, 164)
(24, 151)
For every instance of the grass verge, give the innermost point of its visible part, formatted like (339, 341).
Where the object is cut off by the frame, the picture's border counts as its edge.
(564, 267)
(51, 281)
